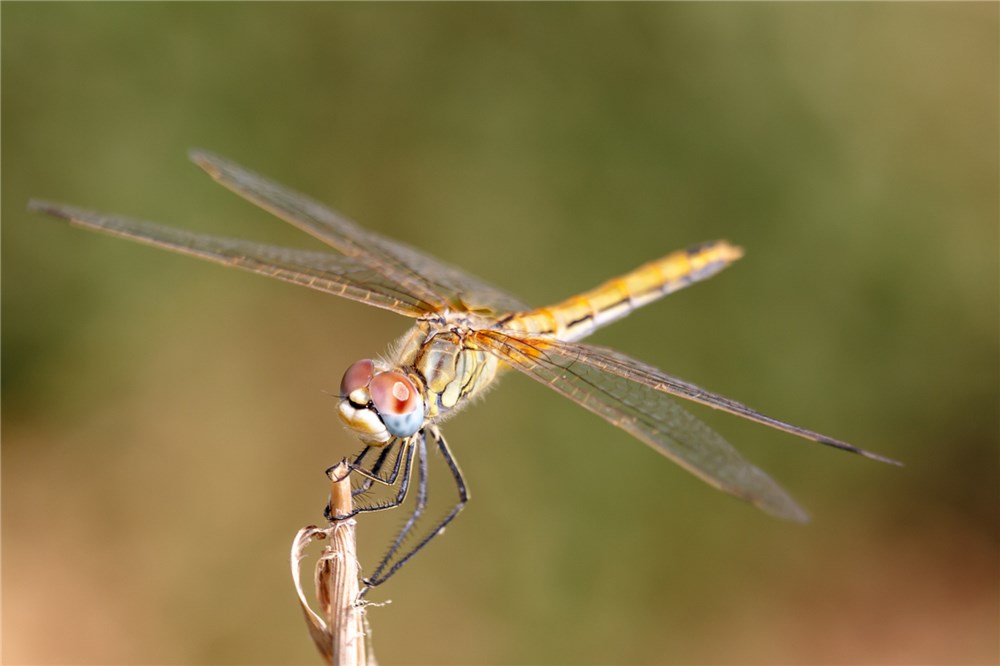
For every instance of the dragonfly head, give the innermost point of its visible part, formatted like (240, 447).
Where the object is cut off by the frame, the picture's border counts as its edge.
(378, 403)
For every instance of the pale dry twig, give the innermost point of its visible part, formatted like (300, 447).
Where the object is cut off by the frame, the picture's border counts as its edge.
(340, 629)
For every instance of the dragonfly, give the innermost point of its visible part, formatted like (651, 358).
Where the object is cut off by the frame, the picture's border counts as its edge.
(465, 335)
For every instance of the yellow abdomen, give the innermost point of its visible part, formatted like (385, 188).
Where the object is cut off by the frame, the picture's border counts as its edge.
(581, 315)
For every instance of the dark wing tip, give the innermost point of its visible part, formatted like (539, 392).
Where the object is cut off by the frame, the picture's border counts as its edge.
(844, 446)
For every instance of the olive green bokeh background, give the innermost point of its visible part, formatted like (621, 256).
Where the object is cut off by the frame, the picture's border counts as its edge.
(164, 422)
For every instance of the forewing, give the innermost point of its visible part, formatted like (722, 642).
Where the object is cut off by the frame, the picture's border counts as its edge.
(330, 273)
(580, 373)
(438, 284)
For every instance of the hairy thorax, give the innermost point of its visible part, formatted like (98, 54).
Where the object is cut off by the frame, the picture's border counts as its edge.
(442, 355)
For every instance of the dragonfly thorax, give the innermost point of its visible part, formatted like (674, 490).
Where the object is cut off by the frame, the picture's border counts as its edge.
(452, 368)
(379, 403)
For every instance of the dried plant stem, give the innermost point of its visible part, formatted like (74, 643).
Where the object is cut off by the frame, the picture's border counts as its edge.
(340, 630)
(345, 617)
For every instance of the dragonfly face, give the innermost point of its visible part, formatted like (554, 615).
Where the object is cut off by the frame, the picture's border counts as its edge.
(378, 403)
(467, 331)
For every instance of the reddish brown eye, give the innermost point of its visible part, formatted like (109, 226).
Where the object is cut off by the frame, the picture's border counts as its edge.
(357, 376)
(393, 393)
(399, 404)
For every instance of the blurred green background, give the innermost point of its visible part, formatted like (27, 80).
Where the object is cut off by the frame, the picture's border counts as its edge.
(165, 428)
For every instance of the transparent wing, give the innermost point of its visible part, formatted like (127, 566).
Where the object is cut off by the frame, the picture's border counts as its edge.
(435, 283)
(626, 368)
(330, 273)
(621, 391)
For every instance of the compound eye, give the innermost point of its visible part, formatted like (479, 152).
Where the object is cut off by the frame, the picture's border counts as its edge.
(393, 393)
(399, 404)
(357, 376)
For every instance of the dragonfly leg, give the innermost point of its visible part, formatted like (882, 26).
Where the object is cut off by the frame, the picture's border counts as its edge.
(372, 475)
(418, 509)
(403, 461)
(378, 577)
(356, 464)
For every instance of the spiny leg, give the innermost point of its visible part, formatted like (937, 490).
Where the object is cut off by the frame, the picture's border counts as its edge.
(377, 577)
(406, 453)
(418, 510)
(370, 476)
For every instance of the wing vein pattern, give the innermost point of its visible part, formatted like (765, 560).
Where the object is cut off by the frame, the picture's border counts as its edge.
(602, 384)
(323, 271)
(436, 284)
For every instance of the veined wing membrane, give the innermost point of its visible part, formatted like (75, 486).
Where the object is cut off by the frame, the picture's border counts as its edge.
(625, 367)
(330, 273)
(579, 373)
(437, 284)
